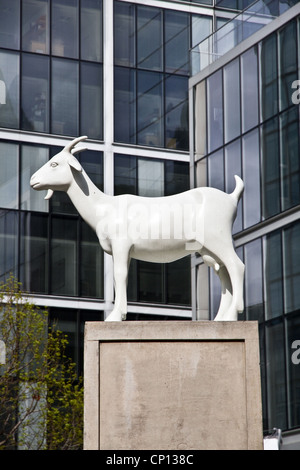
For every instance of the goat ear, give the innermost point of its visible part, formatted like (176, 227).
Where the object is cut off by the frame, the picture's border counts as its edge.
(74, 163)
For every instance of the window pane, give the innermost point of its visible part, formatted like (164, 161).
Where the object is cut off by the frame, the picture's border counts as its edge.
(232, 100)
(291, 267)
(270, 169)
(34, 252)
(124, 34)
(289, 153)
(8, 244)
(201, 28)
(176, 42)
(125, 172)
(149, 38)
(125, 105)
(150, 109)
(176, 119)
(92, 162)
(254, 281)
(273, 275)
(91, 100)
(9, 175)
(215, 111)
(150, 277)
(216, 170)
(179, 281)
(91, 30)
(32, 159)
(233, 167)
(10, 24)
(91, 264)
(64, 256)
(65, 28)
(249, 84)
(9, 89)
(294, 371)
(276, 380)
(64, 97)
(35, 26)
(287, 63)
(251, 177)
(35, 93)
(177, 177)
(150, 178)
(268, 93)
(65, 320)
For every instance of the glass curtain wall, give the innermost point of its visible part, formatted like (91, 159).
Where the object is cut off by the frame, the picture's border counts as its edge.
(260, 142)
(56, 49)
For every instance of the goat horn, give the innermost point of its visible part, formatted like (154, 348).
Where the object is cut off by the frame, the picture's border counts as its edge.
(72, 144)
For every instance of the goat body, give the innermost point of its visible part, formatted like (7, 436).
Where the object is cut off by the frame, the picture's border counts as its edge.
(159, 229)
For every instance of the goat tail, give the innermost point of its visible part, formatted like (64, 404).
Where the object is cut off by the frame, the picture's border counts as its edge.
(239, 188)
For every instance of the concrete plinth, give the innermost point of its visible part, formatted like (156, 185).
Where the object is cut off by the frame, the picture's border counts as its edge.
(172, 385)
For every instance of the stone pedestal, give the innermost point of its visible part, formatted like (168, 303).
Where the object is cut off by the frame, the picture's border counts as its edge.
(172, 385)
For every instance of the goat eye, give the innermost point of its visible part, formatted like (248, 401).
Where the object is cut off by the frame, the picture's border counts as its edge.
(54, 164)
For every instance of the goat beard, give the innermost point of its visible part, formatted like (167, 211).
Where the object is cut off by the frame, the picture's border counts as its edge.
(49, 194)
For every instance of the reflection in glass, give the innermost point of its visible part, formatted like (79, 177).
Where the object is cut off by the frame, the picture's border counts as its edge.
(216, 170)
(9, 89)
(91, 30)
(63, 256)
(8, 244)
(151, 178)
(276, 382)
(149, 38)
(270, 169)
(150, 109)
(291, 267)
(253, 280)
(249, 87)
(231, 100)
(65, 28)
(64, 97)
(91, 100)
(32, 159)
(125, 174)
(9, 180)
(10, 24)
(179, 281)
(289, 154)
(124, 34)
(92, 162)
(150, 277)
(34, 252)
(176, 42)
(201, 28)
(35, 93)
(287, 63)
(251, 176)
(268, 79)
(273, 275)
(35, 26)
(233, 167)
(177, 177)
(124, 105)
(91, 264)
(176, 118)
(214, 111)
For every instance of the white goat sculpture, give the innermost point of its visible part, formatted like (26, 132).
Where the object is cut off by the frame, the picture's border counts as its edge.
(160, 229)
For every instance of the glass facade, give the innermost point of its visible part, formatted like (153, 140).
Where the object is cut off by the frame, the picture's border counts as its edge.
(151, 61)
(251, 128)
(117, 72)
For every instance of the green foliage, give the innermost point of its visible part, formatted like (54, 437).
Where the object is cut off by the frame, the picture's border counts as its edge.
(41, 398)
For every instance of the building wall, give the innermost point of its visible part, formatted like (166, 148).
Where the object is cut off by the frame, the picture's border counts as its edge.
(116, 71)
(247, 123)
